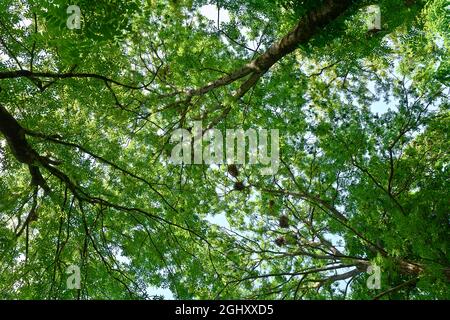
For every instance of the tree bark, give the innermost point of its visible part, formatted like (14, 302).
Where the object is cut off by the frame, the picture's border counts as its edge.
(20, 148)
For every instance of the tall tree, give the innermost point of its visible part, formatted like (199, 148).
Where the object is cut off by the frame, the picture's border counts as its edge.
(86, 117)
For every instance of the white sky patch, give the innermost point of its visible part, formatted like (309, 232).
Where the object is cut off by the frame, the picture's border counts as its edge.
(3, 57)
(166, 293)
(121, 258)
(20, 258)
(24, 23)
(219, 220)
(210, 12)
(379, 107)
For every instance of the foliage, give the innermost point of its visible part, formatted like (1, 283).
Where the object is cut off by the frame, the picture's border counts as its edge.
(97, 105)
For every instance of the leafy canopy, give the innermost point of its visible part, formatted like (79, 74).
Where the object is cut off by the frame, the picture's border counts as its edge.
(86, 117)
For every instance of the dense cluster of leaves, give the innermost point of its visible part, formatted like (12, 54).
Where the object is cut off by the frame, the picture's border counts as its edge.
(364, 173)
